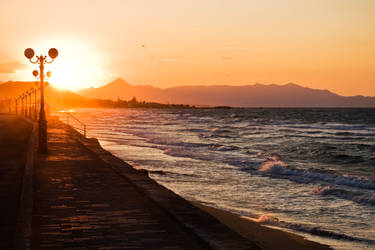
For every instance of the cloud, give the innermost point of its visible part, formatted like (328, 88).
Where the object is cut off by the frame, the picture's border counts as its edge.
(11, 67)
(226, 58)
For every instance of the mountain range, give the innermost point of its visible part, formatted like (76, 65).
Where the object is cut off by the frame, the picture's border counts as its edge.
(256, 95)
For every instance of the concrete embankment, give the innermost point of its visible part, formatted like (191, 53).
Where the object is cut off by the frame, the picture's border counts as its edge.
(86, 198)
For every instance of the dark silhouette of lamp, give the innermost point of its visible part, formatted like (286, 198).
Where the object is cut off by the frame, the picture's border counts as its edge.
(52, 53)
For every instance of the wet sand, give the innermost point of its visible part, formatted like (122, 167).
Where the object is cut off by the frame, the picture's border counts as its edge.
(265, 237)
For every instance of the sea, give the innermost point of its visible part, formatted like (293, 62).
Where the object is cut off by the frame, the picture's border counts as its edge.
(309, 171)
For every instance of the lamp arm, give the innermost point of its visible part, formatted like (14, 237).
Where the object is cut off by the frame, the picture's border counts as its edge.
(49, 61)
(36, 60)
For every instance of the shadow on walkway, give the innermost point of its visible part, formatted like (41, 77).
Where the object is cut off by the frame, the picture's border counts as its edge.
(14, 137)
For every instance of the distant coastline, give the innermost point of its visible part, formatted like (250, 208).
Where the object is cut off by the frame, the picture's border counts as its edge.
(119, 94)
(252, 95)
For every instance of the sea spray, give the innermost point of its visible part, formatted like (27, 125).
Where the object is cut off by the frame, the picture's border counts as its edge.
(278, 168)
(356, 196)
(267, 219)
(275, 167)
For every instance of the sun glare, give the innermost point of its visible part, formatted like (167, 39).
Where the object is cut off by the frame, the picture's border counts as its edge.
(77, 66)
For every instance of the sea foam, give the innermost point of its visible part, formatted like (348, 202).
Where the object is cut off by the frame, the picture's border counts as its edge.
(282, 170)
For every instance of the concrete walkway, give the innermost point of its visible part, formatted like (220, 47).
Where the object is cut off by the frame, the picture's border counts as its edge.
(82, 203)
(14, 136)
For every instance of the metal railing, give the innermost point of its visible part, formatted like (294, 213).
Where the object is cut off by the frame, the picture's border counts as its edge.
(81, 128)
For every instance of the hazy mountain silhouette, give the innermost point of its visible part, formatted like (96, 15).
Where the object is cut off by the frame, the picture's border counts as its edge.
(122, 90)
(256, 95)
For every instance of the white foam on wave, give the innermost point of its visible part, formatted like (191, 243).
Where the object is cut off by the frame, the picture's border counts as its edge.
(322, 190)
(280, 168)
(358, 197)
(219, 130)
(275, 167)
(267, 219)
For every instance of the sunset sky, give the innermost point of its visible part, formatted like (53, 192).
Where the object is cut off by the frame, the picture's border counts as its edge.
(326, 44)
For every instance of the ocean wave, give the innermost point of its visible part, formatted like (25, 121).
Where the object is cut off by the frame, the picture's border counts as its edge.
(268, 219)
(186, 145)
(195, 130)
(176, 142)
(348, 158)
(331, 126)
(323, 137)
(182, 152)
(345, 194)
(312, 132)
(271, 220)
(274, 167)
(325, 233)
(281, 169)
(223, 148)
(163, 172)
(220, 131)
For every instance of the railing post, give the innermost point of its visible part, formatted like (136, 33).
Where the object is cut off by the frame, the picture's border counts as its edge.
(75, 120)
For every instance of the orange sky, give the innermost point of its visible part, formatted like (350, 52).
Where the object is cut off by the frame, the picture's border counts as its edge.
(327, 44)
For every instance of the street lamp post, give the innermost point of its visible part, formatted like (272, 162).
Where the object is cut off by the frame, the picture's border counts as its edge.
(16, 107)
(53, 53)
(26, 104)
(29, 93)
(23, 105)
(35, 91)
(22, 108)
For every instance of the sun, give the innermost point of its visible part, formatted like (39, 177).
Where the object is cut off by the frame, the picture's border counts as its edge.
(77, 65)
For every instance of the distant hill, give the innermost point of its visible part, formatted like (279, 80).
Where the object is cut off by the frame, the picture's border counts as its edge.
(120, 89)
(54, 97)
(256, 95)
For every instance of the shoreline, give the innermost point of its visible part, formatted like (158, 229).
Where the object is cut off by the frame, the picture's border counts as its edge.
(265, 237)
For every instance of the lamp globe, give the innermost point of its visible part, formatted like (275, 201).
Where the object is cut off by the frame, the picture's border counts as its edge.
(29, 53)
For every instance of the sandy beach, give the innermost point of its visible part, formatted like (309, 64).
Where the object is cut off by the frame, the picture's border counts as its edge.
(265, 237)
